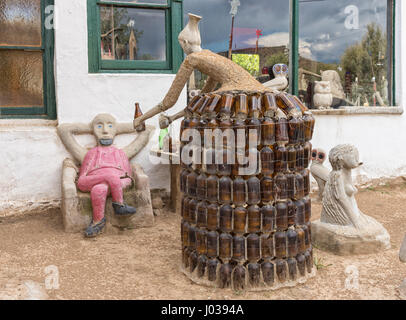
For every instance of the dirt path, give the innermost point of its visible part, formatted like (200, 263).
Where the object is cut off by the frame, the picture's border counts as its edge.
(143, 264)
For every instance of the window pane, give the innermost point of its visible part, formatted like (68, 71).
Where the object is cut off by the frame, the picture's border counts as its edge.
(21, 79)
(20, 22)
(140, 1)
(270, 18)
(139, 34)
(343, 50)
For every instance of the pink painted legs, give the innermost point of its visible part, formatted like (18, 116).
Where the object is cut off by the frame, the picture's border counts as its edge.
(99, 187)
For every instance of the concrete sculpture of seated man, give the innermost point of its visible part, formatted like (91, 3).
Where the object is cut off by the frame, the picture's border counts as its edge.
(105, 169)
(343, 228)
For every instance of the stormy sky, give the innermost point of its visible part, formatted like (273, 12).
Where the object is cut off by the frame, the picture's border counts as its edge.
(324, 33)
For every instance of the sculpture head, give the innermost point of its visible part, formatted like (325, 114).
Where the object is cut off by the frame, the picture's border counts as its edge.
(318, 155)
(280, 70)
(189, 38)
(104, 128)
(344, 156)
(322, 87)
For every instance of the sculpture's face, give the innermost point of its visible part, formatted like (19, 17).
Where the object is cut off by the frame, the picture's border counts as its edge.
(351, 159)
(104, 128)
(280, 70)
(318, 155)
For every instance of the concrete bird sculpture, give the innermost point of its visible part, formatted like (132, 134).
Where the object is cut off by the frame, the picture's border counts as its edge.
(318, 170)
(280, 82)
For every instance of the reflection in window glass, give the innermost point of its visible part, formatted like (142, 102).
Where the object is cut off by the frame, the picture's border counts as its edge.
(140, 1)
(21, 79)
(20, 23)
(132, 33)
(261, 27)
(343, 53)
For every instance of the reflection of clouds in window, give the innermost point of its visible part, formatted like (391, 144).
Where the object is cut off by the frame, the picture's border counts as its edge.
(322, 25)
(272, 17)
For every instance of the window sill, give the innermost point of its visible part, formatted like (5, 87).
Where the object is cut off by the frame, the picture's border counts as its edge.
(8, 123)
(360, 110)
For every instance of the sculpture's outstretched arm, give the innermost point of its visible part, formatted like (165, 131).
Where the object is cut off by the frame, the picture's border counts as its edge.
(165, 121)
(139, 142)
(66, 133)
(210, 85)
(182, 77)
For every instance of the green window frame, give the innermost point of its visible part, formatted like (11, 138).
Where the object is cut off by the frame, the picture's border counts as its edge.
(294, 48)
(173, 26)
(48, 110)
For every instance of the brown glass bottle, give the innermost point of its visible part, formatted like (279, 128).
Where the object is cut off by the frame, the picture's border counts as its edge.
(191, 184)
(241, 105)
(185, 257)
(212, 244)
(185, 234)
(201, 238)
(254, 274)
(212, 216)
(308, 209)
(285, 104)
(226, 218)
(267, 246)
(281, 270)
(280, 244)
(225, 246)
(209, 161)
(300, 212)
(201, 215)
(268, 214)
(294, 127)
(210, 134)
(281, 159)
(206, 102)
(292, 158)
(226, 104)
(307, 154)
(212, 266)
(281, 216)
(299, 186)
(301, 135)
(194, 103)
(299, 157)
(225, 275)
(292, 268)
(291, 213)
(267, 189)
(309, 260)
(267, 161)
(268, 272)
(192, 211)
(192, 238)
(226, 127)
(253, 248)
(253, 132)
(306, 181)
(301, 244)
(268, 132)
(239, 275)
(254, 219)
(213, 106)
(183, 180)
(307, 236)
(138, 113)
(238, 248)
(239, 191)
(201, 186)
(240, 220)
(280, 187)
(254, 190)
(212, 184)
(224, 164)
(225, 184)
(290, 189)
(308, 121)
(291, 236)
(281, 134)
(201, 266)
(185, 208)
(301, 264)
(269, 105)
(193, 261)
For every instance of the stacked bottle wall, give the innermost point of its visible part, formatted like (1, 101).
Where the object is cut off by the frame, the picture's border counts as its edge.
(246, 207)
